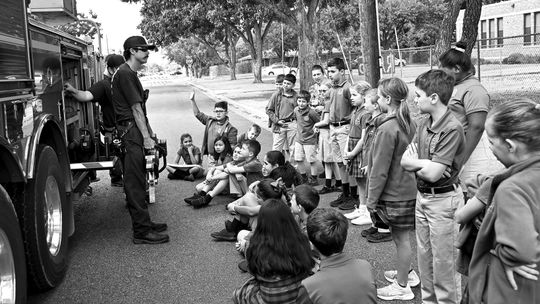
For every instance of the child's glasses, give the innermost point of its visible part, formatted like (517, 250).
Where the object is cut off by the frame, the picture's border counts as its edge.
(219, 111)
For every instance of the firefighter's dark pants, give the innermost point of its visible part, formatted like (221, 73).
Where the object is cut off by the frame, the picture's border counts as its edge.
(135, 181)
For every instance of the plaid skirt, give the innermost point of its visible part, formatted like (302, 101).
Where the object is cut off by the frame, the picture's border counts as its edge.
(353, 167)
(398, 215)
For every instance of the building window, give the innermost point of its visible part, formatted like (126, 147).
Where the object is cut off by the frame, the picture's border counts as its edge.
(527, 29)
(483, 34)
(492, 33)
(500, 33)
(537, 28)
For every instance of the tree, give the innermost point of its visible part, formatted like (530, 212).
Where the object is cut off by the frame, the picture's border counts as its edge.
(370, 44)
(82, 26)
(192, 54)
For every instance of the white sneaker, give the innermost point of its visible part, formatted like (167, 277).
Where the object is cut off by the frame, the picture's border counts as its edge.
(364, 217)
(412, 279)
(395, 292)
(352, 215)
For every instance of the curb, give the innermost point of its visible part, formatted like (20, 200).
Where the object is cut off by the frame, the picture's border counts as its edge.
(237, 107)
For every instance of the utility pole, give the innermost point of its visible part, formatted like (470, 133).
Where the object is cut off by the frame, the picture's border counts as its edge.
(370, 40)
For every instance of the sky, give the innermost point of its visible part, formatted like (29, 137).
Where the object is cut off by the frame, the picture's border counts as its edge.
(119, 21)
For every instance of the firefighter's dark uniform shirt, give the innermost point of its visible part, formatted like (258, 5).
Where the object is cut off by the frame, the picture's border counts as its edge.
(102, 93)
(127, 91)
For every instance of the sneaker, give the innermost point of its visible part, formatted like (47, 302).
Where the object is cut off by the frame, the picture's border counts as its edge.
(325, 190)
(363, 219)
(151, 237)
(159, 227)
(190, 199)
(200, 202)
(395, 292)
(340, 200)
(412, 279)
(349, 203)
(352, 215)
(224, 235)
(369, 231)
(189, 178)
(378, 237)
(119, 184)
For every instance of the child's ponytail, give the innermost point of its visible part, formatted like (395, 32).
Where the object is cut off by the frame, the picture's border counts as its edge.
(404, 117)
(397, 90)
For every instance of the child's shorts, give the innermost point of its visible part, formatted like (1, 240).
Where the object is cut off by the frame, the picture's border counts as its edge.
(325, 147)
(307, 152)
(338, 137)
(398, 215)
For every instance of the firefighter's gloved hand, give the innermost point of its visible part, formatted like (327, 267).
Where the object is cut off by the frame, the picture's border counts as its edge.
(149, 143)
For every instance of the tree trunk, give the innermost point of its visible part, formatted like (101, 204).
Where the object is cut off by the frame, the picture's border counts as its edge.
(257, 54)
(230, 51)
(306, 49)
(448, 25)
(470, 24)
(369, 41)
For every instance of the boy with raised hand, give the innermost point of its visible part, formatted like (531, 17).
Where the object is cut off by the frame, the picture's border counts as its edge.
(305, 146)
(339, 111)
(436, 156)
(216, 126)
(341, 278)
(280, 110)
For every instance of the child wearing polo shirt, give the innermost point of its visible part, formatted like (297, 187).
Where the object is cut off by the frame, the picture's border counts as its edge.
(339, 115)
(280, 110)
(253, 132)
(215, 126)
(341, 278)
(305, 146)
(438, 147)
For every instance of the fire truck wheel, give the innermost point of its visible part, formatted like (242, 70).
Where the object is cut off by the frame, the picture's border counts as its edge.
(45, 222)
(12, 264)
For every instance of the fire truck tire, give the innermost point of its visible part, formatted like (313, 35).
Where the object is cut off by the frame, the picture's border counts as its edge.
(46, 223)
(12, 263)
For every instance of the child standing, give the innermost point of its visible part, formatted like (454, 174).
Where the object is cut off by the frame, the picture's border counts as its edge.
(190, 155)
(215, 126)
(508, 240)
(305, 146)
(438, 147)
(392, 190)
(280, 110)
(378, 232)
(252, 134)
(353, 155)
(329, 159)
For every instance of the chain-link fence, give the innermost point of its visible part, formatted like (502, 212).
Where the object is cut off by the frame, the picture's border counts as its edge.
(509, 67)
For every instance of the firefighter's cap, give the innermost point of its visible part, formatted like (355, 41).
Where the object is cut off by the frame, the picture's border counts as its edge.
(114, 60)
(137, 42)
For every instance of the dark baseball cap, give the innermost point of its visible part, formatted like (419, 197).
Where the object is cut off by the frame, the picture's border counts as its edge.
(114, 60)
(137, 42)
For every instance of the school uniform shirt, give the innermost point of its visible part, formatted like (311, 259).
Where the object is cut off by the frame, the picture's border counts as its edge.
(509, 235)
(305, 120)
(340, 106)
(184, 154)
(371, 127)
(341, 279)
(469, 96)
(359, 117)
(253, 170)
(281, 106)
(444, 143)
(388, 181)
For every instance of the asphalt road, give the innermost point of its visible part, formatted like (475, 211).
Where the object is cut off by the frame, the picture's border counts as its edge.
(106, 267)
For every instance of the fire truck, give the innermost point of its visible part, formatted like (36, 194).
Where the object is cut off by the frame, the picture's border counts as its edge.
(49, 143)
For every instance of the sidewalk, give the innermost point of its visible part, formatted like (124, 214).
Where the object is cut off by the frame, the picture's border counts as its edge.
(244, 97)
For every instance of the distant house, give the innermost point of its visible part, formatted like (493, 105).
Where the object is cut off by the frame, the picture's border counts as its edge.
(507, 27)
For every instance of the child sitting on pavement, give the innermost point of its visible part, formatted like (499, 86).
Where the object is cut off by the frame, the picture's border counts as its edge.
(239, 175)
(305, 146)
(252, 134)
(213, 181)
(188, 154)
(215, 126)
(340, 278)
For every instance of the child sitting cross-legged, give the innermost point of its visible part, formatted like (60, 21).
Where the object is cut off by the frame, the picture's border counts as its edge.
(340, 278)
(239, 175)
(251, 134)
(188, 154)
(221, 157)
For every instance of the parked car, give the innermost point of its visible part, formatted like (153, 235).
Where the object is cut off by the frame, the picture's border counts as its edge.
(177, 72)
(278, 68)
(400, 62)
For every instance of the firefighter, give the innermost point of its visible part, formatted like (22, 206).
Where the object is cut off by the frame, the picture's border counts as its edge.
(101, 92)
(135, 131)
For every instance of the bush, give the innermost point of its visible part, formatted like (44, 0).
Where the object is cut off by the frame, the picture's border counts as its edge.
(244, 67)
(518, 58)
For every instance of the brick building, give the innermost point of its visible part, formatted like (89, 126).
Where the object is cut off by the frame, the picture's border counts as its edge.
(507, 27)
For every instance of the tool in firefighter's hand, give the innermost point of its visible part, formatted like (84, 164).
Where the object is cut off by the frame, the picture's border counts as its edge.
(152, 166)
